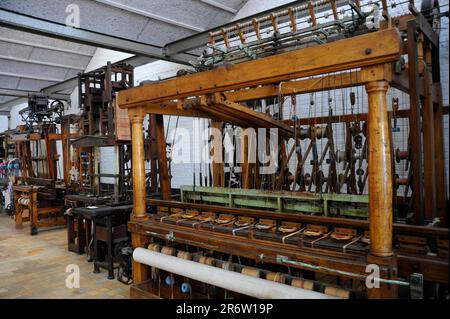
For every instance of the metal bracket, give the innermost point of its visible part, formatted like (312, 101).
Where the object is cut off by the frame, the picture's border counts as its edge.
(416, 286)
(170, 236)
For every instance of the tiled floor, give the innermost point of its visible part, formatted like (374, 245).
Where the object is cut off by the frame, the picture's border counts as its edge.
(35, 267)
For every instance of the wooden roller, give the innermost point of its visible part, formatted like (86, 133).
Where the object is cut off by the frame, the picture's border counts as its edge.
(184, 255)
(206, 261)
(337, 292)
(275, 276)
(168, 251)
(154, 247)
(251, 272)
(302, 283)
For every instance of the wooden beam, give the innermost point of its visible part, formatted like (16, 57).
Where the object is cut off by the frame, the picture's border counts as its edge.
(326, 82)
(364, 50)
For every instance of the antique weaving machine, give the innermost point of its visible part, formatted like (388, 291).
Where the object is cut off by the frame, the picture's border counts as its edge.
(37, 191)
(351, 91)
(101, 124)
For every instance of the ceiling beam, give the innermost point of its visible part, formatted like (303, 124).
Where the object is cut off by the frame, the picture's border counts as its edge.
(56, 65)
(31, 24)
(150, 15)
(24, 93)
(219, 6)
(46, 47)
(31, 77)
(7, 106)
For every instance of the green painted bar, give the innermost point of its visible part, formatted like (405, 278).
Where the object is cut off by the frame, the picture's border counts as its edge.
(280, 201)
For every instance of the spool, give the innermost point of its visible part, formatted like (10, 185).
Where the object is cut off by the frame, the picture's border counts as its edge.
(400, 181)
(251, 272)
(358, 141)
(184, 255)
(305, 133)
(185, 288)
(170, 280)
(154, 247)
(168, 251)
(319, 132)
(400, 155)
(302, 283)
(206, 260)
(227, 266)
(337, 292)
(275, 276)
(307, 179)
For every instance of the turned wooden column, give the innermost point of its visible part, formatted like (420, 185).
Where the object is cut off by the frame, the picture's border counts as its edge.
(380, 171)
(139, 206)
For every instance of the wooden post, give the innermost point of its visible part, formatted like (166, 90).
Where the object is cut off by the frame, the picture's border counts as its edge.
(380, 190)
(429, 161)
(153, 154)
(217, 160)
(65, 142)
(441, 195)
(139, 205)
(380, 171)
(141, 272)
(415, 124)
(163, 168)
(96, 168)
(245, 179)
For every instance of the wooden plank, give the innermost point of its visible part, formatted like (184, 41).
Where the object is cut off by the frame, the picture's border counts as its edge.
(368, 49)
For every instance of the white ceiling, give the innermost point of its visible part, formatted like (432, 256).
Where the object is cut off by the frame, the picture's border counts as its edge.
(30, 62)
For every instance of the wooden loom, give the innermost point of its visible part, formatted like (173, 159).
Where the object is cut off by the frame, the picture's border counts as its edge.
(37, 193)
(270, 233)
